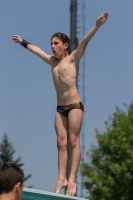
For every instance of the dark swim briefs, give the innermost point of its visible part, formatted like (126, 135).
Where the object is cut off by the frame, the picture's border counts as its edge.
(65, 109)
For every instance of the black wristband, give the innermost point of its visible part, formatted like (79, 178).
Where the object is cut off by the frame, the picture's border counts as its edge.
(24, 43)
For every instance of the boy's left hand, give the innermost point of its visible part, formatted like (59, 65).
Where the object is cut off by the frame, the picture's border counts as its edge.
(102, 19)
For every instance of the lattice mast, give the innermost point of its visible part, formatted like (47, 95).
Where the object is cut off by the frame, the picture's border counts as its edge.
(78, 7)
(72, 46)
(81, 78)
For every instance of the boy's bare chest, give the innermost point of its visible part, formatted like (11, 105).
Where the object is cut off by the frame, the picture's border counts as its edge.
(64, 70)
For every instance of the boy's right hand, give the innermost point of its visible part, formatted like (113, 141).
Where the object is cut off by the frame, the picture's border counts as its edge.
(17, 39)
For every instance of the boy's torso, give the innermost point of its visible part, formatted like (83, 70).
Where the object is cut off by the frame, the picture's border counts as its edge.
(65, 79)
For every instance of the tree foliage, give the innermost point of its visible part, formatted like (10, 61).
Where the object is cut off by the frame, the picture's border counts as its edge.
(109, 172)
(7, 152)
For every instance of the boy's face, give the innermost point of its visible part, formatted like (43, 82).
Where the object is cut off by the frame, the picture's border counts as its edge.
(58, 47)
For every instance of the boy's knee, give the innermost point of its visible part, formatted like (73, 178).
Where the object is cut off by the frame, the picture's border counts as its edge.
(74, 142)
(62, 144)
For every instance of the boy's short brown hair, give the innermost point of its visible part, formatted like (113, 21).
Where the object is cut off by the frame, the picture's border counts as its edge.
(63, 37)
(10, 175)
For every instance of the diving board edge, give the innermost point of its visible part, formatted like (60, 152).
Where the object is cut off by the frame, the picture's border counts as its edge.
(33, 194)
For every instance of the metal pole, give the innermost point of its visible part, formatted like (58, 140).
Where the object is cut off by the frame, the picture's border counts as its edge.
(73, 45)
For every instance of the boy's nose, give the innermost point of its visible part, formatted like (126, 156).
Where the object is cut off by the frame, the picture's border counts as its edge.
(53, 47)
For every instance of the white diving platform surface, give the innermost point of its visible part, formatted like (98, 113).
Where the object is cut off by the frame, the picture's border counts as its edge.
(32, 194)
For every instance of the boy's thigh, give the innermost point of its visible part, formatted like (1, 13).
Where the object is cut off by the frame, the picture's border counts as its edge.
(61, 125)
(74, 121)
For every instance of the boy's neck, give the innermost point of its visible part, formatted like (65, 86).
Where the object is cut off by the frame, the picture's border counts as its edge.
(8, 196)
(64, 55)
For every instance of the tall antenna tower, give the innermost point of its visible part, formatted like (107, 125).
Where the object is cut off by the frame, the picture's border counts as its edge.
(79, 7)
(81, 78)
(73, 45)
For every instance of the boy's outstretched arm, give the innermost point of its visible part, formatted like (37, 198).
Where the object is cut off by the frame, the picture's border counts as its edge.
(34, 49)
(78, 53)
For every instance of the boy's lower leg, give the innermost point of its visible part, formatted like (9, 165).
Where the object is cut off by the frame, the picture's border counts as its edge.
(75, 160)
(62, 164)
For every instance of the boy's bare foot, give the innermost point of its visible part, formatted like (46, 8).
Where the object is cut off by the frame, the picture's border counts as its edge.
(71, 189)
(60, 185)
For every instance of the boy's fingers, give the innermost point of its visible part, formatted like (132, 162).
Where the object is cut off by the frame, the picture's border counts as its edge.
(106, 14)
(14, 38)
(15, 35)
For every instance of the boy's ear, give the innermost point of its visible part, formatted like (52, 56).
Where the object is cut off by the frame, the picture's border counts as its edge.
(17, 186)
(18, 190)
(66, 45)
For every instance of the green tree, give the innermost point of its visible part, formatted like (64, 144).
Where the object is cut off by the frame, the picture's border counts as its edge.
(109, 170)
(7, 152)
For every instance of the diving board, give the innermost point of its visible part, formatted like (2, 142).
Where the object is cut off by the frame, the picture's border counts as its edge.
(32, 194)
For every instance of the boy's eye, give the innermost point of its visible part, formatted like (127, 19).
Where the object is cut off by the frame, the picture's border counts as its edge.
(55, 43)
